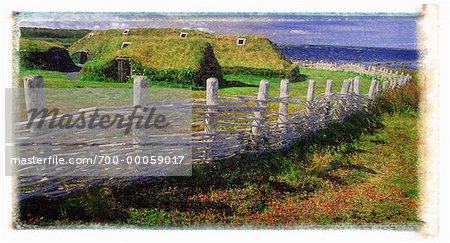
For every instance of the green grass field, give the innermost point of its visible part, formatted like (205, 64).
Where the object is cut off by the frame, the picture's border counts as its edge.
(98, 93)
(248, 87)
(54, 79)
(296, 88)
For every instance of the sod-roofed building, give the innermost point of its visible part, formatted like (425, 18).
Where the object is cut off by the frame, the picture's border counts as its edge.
(183, 56)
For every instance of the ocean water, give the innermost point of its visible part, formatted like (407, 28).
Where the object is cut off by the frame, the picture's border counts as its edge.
(382, 57)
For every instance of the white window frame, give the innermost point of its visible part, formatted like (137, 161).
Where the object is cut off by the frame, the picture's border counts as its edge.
(125, 31)
(183, 35)
(125, 44)
(241, 39)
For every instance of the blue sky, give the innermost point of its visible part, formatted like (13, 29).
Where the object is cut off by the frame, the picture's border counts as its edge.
(384, 30)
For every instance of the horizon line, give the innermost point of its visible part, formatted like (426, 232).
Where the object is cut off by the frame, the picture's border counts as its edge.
(234, 14)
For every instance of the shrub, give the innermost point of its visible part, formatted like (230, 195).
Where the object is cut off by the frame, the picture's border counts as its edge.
(402, 100)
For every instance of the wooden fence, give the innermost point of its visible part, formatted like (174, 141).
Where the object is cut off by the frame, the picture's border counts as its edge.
(384, 74)
(222, 127)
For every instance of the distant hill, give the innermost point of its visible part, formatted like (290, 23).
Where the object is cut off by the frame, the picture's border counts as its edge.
(51, 33)
(61, 37)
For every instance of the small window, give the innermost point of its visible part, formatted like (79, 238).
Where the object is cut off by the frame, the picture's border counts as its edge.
(125, 45)
(125, 32)
(240, 41)
(183, 35)
(90, 35)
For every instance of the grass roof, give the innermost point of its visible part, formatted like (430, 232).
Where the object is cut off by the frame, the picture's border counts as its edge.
(33, 45)
(258, 52)
(163, 48)
(46, 55)
(155, 53)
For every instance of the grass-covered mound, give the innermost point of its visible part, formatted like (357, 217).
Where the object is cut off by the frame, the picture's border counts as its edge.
(62, 37)
(259, 56)
(163, 55)
(183, 61)
(45, 55)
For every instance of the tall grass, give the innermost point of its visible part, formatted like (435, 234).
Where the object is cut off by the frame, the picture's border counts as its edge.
(401, 100)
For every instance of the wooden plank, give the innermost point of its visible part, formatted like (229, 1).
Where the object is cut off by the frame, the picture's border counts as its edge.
(34, 99)
(311, 89)
(140, 98)
(372, 89)
(283, 106)
(263, 95)
(212, 88)
(357, 86)
(310, 96)
(328, 96)
(385, 85)
(140, 91)
(345, 86)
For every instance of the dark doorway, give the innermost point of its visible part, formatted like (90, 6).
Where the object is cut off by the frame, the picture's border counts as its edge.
(83, 57)
(123, 68)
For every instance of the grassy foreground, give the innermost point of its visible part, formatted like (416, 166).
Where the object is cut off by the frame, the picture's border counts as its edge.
(372, 181)
(360, 172)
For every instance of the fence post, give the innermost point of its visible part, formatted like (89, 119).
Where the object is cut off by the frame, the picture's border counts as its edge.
(140, 98)
(377, 87)
(356, 86)
(385, 85)
(283, 109)
(329, 88)
(34, 98)
(310, 96)
(350, 86)
(372, 89)
(404, 80)
(393, 84)
(212, 87)
(140, 91)
(342, 103)
(263, 96)
(345, 87)
(328, 93)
